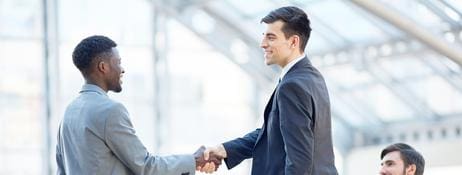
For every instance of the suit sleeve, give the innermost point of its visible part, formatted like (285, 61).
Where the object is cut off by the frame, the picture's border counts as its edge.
(296, 120)
(59, 156)
(240, 149)
(124, 143)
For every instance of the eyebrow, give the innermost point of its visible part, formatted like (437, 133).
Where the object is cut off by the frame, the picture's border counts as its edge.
(269, 34)
(387, 161)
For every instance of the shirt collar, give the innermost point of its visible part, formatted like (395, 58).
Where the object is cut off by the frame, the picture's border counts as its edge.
(290, 65)
(92, 88)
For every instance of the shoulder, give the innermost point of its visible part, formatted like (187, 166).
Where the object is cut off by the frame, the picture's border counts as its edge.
(107, 109)
(306, 76)
(116, 114)
(293, 86)
(114, 107)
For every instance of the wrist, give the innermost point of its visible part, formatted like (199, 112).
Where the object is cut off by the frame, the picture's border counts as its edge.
(222, 150)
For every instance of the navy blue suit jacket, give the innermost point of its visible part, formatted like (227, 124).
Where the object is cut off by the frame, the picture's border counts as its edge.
(295, 138)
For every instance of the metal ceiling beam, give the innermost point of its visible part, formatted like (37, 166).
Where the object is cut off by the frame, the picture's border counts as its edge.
(438, 67)
(416, 104)
(357, 106)
(324, 30)
(403, 94)
(440, 13)
(450, 6)
(411, 46)
(361, 48)
(435, 65)
(418, 51)
(379, 25)
(412, 28)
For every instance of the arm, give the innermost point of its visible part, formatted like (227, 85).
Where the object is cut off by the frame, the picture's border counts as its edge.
(296, 122)
(239, 149)
(59, 156)
(121, 139)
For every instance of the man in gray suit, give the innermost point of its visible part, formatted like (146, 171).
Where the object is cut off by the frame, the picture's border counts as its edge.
(295, 138)
(96, 135)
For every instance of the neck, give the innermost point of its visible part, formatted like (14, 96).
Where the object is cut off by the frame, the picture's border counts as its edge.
(291, 58)
(96, 82)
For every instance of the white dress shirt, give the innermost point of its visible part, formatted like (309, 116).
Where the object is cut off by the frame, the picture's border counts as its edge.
(286, 68)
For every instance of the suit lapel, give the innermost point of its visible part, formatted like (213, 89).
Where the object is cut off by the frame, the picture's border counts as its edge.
(268, 108)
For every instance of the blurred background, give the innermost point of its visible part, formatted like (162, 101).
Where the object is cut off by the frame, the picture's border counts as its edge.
(195, 75)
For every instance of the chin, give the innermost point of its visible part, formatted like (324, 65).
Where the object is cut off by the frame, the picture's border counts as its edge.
(268, 61)
(117, 89)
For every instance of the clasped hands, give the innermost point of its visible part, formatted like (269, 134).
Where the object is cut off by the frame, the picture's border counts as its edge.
(209, 159)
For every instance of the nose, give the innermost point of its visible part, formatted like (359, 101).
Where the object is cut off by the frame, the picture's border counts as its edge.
(263, 44)
(123, 70)
(382, 171)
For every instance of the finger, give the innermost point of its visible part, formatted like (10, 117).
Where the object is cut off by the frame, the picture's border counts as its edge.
(212, 168)
(216, 166)
(215, 159)
(202, 169)
(198, 168)
(206, 167)
(217, 162)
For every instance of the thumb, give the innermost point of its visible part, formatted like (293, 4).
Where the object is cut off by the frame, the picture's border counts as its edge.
(206, 154)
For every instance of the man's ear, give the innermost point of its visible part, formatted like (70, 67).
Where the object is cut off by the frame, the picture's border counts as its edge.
(410, 170)
(294, 41)
(102, 67)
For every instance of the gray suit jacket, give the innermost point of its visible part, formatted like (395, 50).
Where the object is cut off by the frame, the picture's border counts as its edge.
(96, 137)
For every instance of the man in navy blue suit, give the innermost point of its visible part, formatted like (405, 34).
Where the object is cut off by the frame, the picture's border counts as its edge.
(295, 138)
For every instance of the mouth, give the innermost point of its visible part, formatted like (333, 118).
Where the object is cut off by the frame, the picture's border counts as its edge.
(267, 53)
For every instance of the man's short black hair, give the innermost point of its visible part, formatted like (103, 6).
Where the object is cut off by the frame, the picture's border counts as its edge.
(408, 154)
(88, 49)
(295, 20)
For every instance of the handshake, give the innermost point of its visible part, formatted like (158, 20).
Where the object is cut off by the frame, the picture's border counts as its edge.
(209, 159)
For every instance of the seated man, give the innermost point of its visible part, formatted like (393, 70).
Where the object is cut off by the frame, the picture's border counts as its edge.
(401, 159)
